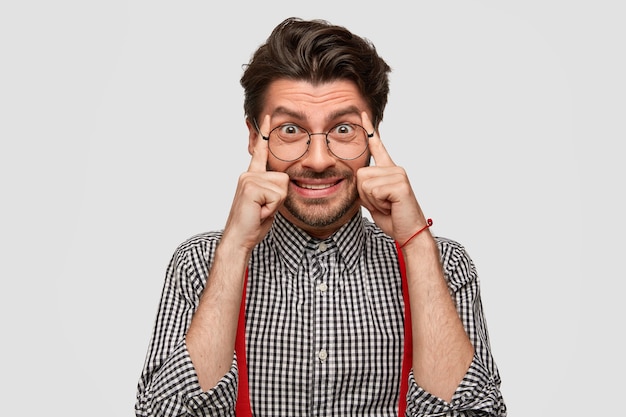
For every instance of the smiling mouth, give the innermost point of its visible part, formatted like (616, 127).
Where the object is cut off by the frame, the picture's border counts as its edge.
(309, 186)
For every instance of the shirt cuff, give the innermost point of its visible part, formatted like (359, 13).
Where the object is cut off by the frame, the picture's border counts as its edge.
(478, 391)
(177, 388)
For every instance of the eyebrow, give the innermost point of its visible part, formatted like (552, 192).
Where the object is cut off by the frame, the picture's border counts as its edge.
(283, 111)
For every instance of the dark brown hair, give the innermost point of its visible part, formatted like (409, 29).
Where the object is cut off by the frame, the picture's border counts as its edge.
(316, 51)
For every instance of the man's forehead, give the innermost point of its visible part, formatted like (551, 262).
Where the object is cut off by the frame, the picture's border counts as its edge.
(303, 100)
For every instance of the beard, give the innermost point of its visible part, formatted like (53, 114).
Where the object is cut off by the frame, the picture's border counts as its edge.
(323, 212)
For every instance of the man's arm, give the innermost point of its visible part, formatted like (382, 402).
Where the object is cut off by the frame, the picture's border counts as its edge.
(192, 346)
(211, 335)
(442, 351)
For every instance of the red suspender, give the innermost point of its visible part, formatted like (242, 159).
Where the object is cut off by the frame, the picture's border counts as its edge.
(407, 358)
(242, 408)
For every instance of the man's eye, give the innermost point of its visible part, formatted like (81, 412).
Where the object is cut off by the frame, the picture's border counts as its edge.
(290, 130)
(344, 129)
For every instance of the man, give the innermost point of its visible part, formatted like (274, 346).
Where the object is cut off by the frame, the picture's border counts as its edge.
(300, 305)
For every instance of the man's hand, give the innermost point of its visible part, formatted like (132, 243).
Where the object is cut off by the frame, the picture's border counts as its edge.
(259, 194)
(386, 192)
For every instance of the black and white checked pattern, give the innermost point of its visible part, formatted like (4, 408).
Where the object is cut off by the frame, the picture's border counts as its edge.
(324, 330)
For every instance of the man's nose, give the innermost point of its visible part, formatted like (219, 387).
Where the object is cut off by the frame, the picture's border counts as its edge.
(318, 156)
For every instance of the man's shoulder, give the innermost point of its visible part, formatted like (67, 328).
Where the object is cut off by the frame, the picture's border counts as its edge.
(202, 238)
(447, 244)
(204, 243)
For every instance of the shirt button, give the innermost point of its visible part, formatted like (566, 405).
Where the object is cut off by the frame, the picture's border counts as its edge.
(322, 355)
(322, 247)
(323, 287)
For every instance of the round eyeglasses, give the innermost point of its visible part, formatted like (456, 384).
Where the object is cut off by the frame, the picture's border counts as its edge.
(289, 142)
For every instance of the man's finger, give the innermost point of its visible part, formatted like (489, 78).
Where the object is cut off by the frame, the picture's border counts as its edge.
(258, 163)
(376, 147)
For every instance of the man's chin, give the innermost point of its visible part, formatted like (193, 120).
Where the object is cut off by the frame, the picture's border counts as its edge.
(317, 213)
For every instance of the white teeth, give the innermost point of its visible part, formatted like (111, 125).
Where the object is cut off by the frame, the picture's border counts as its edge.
(315, 186)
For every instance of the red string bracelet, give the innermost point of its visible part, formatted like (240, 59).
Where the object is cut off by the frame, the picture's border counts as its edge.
(429, 223)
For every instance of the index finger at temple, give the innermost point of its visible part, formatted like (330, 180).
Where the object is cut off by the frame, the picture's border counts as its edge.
(258, 163)
(376, 147)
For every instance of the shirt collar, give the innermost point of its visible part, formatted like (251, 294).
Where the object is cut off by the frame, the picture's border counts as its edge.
(290, 241)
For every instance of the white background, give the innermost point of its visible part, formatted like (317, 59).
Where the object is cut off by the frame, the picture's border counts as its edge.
(122, 134)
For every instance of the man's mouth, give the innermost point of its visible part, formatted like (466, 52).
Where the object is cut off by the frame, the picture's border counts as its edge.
(310, 186)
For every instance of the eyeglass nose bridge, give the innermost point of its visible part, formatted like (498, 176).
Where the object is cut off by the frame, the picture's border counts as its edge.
(308, 142)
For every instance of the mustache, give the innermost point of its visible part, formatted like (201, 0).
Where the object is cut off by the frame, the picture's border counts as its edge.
(310, 174)
(314, 175)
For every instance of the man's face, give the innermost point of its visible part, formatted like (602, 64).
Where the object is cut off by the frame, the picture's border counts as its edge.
(322, 194)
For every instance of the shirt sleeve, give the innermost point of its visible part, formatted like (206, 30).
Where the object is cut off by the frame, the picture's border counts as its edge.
(479, 391)
(169, 385)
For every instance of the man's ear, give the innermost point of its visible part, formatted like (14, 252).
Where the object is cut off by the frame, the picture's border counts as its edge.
(253, 135)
